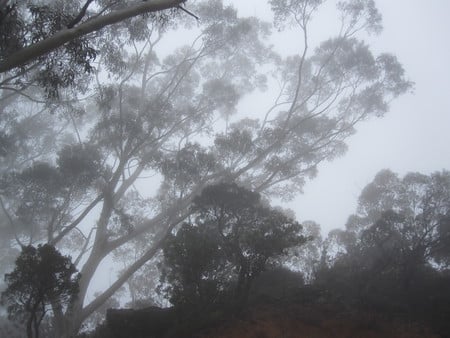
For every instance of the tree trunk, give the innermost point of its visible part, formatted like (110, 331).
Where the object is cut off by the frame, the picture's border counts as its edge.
(242, 289)
(65, 329)
(30, 327)
(62, 323)
(36, 328)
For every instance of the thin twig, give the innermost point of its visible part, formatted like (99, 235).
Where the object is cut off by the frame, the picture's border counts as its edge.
(189, 12)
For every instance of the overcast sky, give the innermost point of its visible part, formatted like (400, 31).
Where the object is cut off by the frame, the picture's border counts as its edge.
(413, 136)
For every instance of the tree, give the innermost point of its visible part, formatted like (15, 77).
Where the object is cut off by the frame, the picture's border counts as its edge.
(393, 255)
(306, 258)
(42, 276)
(397, 233)
(230, 243)
(150, 108)
(408, 215)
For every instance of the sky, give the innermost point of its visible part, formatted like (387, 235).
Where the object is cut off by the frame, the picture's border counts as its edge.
(413, 137)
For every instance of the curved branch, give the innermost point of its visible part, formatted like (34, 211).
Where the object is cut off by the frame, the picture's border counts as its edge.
(77, 221)
(43, 47)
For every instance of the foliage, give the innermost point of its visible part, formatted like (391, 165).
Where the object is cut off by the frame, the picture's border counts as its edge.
(233, 238)
(306, 258)
(42, 197)
(392, 257)
(124, 154)
(406, 216)
(46, 43)
(41, 277)
(32, 22)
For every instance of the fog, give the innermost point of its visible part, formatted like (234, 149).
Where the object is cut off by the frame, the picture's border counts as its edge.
(413, 136)
(196, 166)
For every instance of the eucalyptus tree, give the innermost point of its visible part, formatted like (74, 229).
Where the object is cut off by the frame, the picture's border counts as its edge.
(151, 138)
(306, 258)
(47, 57)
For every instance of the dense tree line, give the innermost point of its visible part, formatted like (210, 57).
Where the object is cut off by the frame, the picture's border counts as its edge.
(393, 256)
(390, 263)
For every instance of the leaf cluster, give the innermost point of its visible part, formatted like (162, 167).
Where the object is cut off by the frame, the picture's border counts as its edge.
(232, 239)
(43, 195)
(393, 255)
(32, 22)
(41, 276)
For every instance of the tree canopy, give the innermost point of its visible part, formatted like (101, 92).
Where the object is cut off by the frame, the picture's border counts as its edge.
(107, 141)
(393, 255)
(41, 277)
(231, 241)
(401, 220)
(35, 30)
(387, 269)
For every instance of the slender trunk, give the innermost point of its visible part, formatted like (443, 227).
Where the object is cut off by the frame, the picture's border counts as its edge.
(242, 289)
(36, 328)
(30, 327)
(72, 320)
(61, 321)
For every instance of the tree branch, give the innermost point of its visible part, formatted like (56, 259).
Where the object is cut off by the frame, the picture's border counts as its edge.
(43, 47)
(80, 15)
(77, 221)
(188, 12)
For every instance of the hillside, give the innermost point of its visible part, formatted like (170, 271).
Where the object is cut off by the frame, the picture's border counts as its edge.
(293, 320)
(266, 317)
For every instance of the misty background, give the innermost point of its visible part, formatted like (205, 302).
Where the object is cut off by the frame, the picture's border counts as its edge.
(140, 162)
(413, 136)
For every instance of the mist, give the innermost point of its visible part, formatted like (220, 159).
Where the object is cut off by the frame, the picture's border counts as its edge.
(222, 168)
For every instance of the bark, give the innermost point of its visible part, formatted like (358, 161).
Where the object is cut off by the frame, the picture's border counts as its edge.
(43, 47)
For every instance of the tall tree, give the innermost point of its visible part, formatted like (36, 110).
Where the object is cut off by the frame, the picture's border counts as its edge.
(153, 104)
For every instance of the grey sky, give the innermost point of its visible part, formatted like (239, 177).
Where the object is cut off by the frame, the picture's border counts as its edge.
(413, 136)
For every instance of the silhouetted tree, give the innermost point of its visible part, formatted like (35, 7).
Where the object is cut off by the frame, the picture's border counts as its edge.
(233, 238)
(42, 276)
(393, 255)
(406, 217)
